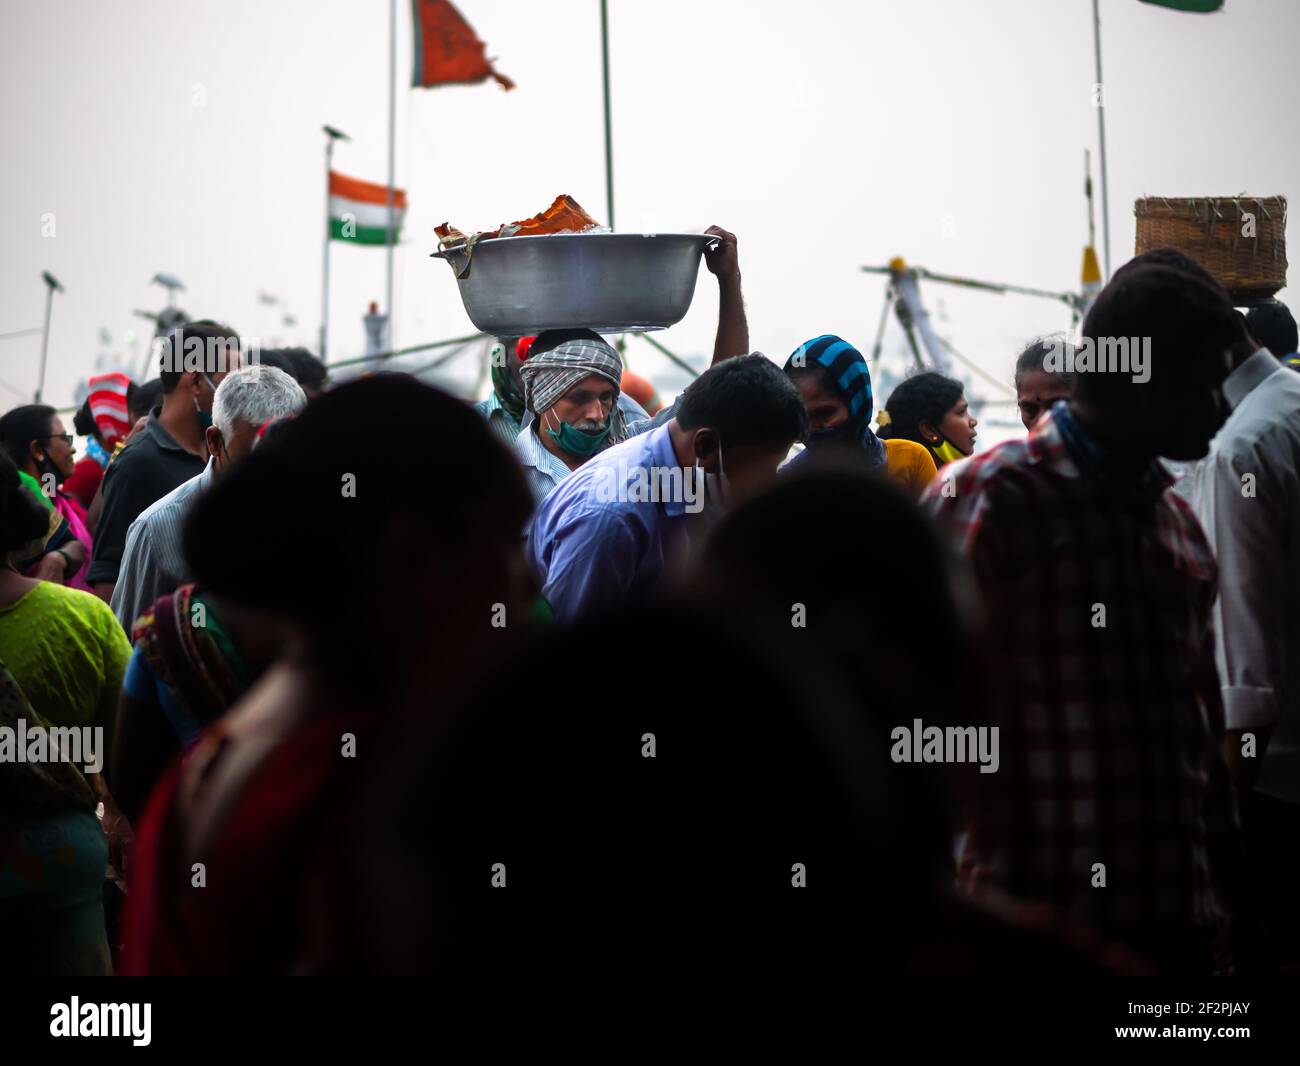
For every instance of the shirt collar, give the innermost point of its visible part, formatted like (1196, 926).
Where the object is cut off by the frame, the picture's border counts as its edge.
(659, 444)
(1242, 381)
(533, 453)
(160, 436)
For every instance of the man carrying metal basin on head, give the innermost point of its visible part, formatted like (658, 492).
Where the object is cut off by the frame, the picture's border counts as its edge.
(573, 398)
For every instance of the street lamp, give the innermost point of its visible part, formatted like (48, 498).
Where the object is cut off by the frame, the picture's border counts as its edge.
(52, 286)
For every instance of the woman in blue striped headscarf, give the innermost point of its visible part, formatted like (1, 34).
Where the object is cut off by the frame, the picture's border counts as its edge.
(835, 383)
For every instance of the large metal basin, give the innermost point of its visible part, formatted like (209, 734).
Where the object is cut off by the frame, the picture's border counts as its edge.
(608, 282)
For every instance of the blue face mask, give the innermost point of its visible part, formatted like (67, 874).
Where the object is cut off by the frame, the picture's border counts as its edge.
(580, 442)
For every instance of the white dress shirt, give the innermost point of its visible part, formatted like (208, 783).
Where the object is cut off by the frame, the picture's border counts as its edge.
(1246, 493)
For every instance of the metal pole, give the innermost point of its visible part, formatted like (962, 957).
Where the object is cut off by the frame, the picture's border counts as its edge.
(392, 120)
(325, 259)
(1101, 139)
(45, 341)
(880, 329)
(609, 144)
(674, 359)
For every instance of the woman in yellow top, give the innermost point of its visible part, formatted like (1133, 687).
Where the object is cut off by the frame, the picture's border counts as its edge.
(833, 379)
(63, 646)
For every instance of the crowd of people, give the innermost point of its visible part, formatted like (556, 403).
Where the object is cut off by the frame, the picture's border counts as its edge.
(631, 684)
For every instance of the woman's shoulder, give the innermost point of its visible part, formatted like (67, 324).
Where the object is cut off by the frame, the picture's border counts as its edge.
(77, 603)
(903, 452)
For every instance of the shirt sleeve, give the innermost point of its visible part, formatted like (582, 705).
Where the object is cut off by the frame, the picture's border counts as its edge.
(1245, 508)
(137, 576)
(970, 509)
(117, 511)
(588, 564)
(645, 425)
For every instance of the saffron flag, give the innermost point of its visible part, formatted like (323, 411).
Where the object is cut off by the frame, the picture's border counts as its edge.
(1201, 6)
(359, 210)
(447, 52)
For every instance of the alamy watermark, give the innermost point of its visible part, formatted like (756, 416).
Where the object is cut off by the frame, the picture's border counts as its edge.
(80, 745)
(952, 744)
(75, 1018)
(1102, 355)
(183, 353)
(654, 484)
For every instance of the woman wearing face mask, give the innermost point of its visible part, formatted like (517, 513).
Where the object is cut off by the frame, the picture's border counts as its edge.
(33, 436)
(835, 384)
(930, 409)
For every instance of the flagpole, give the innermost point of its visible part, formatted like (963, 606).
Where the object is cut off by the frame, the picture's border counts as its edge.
(392, 125)
(1101, 136)
(325, 258)
(331, 135)
(609, 149)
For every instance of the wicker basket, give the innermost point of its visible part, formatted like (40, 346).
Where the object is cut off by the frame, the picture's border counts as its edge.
(1212, 231)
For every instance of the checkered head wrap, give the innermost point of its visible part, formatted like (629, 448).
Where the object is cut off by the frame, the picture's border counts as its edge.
(559, 359)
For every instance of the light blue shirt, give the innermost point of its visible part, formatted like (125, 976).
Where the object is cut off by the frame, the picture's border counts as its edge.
(592, 552)
(499, 420)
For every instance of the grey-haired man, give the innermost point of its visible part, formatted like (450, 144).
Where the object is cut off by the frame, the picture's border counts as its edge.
(152, 563)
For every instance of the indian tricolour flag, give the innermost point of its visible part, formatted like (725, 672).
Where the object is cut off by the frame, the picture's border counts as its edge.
(359, 210)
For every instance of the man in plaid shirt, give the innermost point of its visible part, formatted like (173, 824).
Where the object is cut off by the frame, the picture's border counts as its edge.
(1098, 584)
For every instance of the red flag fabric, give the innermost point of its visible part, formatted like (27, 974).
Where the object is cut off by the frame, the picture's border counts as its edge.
(108, 406)
(447, 52)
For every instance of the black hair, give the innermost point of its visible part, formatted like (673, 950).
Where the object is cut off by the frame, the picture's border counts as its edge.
(1034, 357)
(143, 398)
(21, 426)
(22, 517)
(747, 400)
(1272, 325)
(278, 358)
(308, 371)
(1178, 310)
(172, 362)
(352, 463)
(83, 422)
(1174, 260)
(924, 397)
(832, 501)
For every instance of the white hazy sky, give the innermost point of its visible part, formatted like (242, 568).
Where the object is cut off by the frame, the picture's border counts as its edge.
(827, 134)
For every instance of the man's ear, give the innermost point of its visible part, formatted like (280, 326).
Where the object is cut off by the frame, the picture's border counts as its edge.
(214, 440)
(705, 443)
